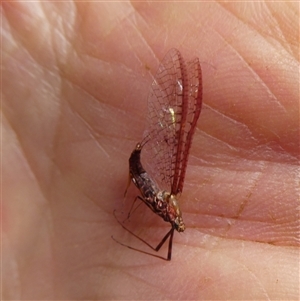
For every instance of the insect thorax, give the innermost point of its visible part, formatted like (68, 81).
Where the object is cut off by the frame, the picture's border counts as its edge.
(170, 210)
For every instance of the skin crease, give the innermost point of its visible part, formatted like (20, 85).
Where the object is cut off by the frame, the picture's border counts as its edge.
(75, 80)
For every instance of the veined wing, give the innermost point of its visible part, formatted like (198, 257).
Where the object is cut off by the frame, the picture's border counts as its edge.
(174, 106)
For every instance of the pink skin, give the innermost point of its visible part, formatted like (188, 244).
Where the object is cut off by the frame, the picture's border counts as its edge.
(75, 80)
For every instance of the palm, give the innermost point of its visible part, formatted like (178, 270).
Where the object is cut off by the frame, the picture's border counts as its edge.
(73, 109)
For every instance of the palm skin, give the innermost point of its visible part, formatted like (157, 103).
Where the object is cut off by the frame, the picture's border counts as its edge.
(75, 79)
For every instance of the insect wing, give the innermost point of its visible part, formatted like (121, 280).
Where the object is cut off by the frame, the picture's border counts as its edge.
(193, 96)
(174, 106)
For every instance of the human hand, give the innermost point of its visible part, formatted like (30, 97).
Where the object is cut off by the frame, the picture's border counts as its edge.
(75, 81)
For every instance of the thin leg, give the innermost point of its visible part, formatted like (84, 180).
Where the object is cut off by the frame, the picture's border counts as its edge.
(131, 211)
(169, 234)
(128, 184)
(170, 245)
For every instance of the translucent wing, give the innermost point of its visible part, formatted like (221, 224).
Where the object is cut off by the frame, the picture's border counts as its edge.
(174, 106)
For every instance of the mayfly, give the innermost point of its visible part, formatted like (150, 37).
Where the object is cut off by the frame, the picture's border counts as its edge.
(174, 106)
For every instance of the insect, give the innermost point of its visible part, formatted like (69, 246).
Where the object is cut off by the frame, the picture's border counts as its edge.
(174, 106)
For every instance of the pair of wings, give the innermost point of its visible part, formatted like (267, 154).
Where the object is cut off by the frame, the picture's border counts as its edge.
(174, 106)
